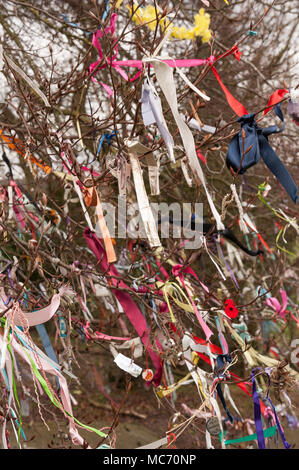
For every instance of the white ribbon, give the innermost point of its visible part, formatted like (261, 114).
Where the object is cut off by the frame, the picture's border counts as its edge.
(211, 258)
(151, 109)
(243, 226)
(135, 148)
(85, 213)
(164, 75)
(228, 396)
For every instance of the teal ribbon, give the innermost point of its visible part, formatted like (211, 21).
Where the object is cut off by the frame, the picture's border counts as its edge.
(269, 432)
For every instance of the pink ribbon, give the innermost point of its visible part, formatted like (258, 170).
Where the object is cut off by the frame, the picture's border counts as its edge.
(21, 218)
(99, 335)
(274, 303)
(130, 308)
(39, 316)
(117, 64)
(177, 271)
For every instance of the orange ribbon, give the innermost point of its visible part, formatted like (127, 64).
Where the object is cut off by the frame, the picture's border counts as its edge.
(91, 198)
(20, 149)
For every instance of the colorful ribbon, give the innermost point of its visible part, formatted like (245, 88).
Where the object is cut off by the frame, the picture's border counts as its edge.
(274, 303)
(130, 308)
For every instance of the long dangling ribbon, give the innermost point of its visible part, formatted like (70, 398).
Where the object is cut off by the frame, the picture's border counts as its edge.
(130, 308)
(257, 414)
(152, 113)
(41, 329)
(178, 272)
(237, 107)
(221, 360)
(93, 199)
(285, 443)
(165, 79)
(135, 148)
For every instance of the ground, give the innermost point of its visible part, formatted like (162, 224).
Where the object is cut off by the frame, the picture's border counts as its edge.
(143, 419)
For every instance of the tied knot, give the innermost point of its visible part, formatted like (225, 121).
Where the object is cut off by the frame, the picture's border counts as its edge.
(247, 119)
(177, 270)
(251, 143)
(210, 60)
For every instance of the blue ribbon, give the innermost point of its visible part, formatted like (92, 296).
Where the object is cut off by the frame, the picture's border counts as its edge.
(74, 25)
(105, 14)
(41, 329)
(285, 442)
(257, 139)
(108, 137)
(154, 307)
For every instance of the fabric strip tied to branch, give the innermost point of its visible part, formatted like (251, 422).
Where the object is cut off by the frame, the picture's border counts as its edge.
(251, 143)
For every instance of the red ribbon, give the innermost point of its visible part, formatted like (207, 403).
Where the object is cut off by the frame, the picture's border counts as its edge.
(275, 98)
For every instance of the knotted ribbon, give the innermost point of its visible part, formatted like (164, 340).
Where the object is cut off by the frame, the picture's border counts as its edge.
(139, 64)
(256, 145)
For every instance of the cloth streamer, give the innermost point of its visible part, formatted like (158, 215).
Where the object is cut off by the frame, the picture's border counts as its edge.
(135, 148)
(164, 75)
(178, 271)
(130, 308)
(93, 194)
(151, 109)
(257, 414)
(256, 145)
(44, 314)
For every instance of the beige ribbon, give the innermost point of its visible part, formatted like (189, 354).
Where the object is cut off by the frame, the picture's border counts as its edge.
(135, 148)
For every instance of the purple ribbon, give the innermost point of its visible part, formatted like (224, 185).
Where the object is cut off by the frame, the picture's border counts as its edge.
(257, 414)
(285, 442)
(227, 265)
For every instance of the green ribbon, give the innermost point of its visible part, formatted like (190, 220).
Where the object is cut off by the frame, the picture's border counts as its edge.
(269, 432)
(55, 402)
(15, 391)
